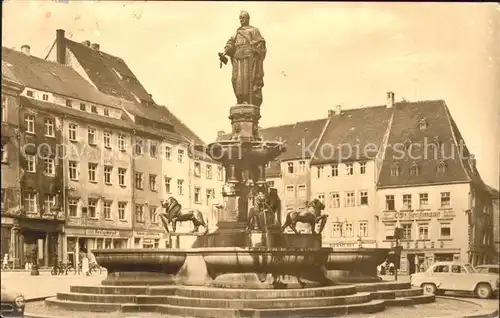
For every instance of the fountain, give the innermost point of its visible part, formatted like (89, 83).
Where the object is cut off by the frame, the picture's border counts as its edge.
(241, 270)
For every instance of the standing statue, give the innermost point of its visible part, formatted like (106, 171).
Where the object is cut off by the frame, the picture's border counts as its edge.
(262, 215)
(312, 215)
(247, 50)
(173, 213)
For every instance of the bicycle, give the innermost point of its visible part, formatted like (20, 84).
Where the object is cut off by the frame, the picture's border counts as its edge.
(61, 268)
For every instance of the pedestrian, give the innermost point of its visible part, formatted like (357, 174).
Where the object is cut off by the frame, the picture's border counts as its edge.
(85, 263)
(5, 263)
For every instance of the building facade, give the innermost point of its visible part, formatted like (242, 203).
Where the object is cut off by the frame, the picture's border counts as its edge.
(495, 197)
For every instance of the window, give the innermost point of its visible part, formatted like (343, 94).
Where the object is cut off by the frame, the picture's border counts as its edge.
(321, 197)
(362, 167)
(334, 200)
(152, 150)
(441, 167)
(407, 144)
(290, 192)
(414, 170)
(406, 231)
(220, 174)
(30, 202)
(152, 182)
(209, 171)
(180, 186)
(45, 97)
(445, 200)
(363, 228)
(30, 163)
(290, 167)
(49, 127)
(139, 213)
(107, 174)
(121, 210)
(349, 199)
(389, 203)
(320, 171)
(107, 139)
(73, 207)
(49, 167)
(5, 155)
(335, 170)
(93, 108)
(423, 200)
(107, 210)
(349, 169)
(167, 184)
(50, 202)
(72, 132)
(29, 93)
(92, 136)
(363, 197)
(180, 155)
(349, 230)
(29, 121)
(270, 184)
(4, 108)
(168, 153)
(121, 142)
(93, 172)
(423, 231)
(92, 208)
(138, 146)
(407, 201)
(423, 124)
(122, 172)
(69, 103)
(445, 230)
(83, 106)
(441, 269)
(197, 195)
(197, 169)
(106, 112)
(152, 212)
(302, 166)
(139, 182)
(336, 229)
(302, 194)
(395, 170)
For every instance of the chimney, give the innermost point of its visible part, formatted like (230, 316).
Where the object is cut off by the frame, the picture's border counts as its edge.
(330, 112)
(86, 43)
(338, 109)
(26, 49)
(220, 133)
(95, 46)
(390, 99)
(61, 46)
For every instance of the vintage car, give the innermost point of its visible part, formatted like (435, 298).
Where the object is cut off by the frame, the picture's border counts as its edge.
(455, 276)
(489, 268)
(12, 304)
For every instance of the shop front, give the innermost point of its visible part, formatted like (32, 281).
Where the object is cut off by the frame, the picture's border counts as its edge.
(150, 239)
(78, 239)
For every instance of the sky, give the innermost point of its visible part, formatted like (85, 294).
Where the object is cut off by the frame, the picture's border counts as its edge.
(320, 54)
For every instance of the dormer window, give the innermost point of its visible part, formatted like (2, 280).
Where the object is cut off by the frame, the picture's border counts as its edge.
(407, 144)
(83, 106)
(395, 170)
(69, 103)
(437, 142)
(45, 97)
(414, 169)
(93, 109)
(29, 93)
(106, 112)
(423, 124)
(441, 167)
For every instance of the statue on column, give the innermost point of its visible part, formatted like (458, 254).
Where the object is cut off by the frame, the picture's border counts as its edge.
(247, 50)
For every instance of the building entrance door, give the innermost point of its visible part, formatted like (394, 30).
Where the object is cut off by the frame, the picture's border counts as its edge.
(411, 263)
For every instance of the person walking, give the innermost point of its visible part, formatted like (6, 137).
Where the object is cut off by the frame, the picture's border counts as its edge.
(85, 263)
(5, 263)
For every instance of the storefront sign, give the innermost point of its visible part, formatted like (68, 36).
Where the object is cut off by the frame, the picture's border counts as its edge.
(344, 245)
(413, 215)
(149, 234)
(108, 233)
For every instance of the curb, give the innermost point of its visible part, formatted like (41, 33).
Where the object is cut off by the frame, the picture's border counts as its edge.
(480, 313)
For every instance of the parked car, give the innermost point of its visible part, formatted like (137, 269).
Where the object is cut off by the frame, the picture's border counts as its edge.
(489, 268)
(12, 304)
(456, 276)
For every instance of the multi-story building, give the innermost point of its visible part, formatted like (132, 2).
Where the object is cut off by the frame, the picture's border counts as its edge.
(495, 196)
(345, 168)
(155, 123)
(429, 186)
(11, 195)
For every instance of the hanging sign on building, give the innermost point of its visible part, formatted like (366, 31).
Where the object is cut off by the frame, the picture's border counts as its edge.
(413, 215)
(107, 233)
(344, 245)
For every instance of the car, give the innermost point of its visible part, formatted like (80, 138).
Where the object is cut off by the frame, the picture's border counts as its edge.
(488, 268)
(456, 276)
(12, 304)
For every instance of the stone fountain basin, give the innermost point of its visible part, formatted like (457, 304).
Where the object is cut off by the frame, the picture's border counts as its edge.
(280, 261)
(234, 150)
(140, 266)
(355, 264)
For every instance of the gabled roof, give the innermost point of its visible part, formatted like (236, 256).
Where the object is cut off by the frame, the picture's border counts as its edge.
(405, 127)
(112, 76)
(8, 74)
(49, 76)
(352, 129)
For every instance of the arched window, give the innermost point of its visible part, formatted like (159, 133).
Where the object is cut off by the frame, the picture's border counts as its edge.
(407, 144)
(395, 170)
(414, 169)
(423, 124)
(441, 167)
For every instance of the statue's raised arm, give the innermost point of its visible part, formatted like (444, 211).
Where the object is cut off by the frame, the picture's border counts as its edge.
(247, 50)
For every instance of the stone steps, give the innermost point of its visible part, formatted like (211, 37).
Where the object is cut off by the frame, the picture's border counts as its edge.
(125, 290)
(399, 293)
(83, 306)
